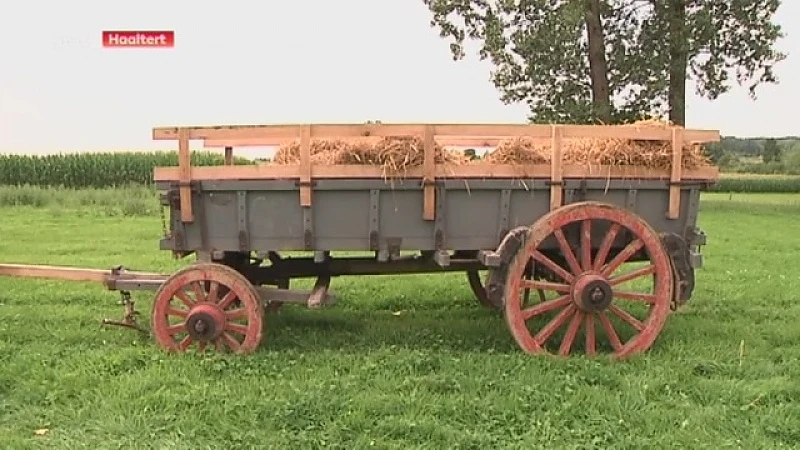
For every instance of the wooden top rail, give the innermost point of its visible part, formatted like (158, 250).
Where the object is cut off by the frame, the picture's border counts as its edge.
(455, 134)
(277, 134)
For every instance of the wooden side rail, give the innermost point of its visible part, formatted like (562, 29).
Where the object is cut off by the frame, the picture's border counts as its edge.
(454, 134)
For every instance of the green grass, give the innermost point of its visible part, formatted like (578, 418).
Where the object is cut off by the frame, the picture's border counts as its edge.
(444, 374)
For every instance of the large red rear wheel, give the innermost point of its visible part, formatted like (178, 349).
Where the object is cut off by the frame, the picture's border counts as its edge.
(590, 304)
(207, 304)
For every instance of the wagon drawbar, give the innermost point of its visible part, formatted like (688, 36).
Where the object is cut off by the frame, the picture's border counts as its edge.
(562, 232)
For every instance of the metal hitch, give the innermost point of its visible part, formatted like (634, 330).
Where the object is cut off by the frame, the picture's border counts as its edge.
(129, 316)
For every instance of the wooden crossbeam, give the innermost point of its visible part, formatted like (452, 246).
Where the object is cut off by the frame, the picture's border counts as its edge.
(280, 133)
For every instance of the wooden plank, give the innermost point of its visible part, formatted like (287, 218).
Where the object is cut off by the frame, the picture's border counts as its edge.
(305, 166)
(475, 130)
(69, 273)
(676, 174)
(443, 171)
(556, 189)
(228, 155)
(185, 168)
(429, 177)
(53, 272)
(455, 141)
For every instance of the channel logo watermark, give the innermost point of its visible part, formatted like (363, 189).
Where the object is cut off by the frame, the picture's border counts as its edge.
(138, 39)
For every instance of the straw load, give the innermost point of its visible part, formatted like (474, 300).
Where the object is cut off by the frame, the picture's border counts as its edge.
(397, 154)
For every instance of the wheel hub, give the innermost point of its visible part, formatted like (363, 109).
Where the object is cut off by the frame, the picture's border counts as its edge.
(592, 292)
(205, 322)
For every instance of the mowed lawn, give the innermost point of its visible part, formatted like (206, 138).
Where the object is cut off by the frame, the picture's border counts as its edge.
(401, 361)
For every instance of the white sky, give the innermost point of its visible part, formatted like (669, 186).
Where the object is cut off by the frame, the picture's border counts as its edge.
(242, 62)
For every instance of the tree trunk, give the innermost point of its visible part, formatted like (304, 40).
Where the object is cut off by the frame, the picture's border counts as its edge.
(598, 69)
(678, 61)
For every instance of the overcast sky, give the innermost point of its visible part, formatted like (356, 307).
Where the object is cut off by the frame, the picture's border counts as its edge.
(238, 62)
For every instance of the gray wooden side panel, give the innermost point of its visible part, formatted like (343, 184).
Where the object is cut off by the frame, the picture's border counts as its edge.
(476, 214)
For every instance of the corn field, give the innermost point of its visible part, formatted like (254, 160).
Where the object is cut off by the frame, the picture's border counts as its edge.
(753, 183)
(94, 170)
(106, 170)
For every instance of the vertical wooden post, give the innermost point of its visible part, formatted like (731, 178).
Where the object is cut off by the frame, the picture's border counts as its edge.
(305, 165)
(676, 174)
(429, 177)
(555, 169)
(228, 156)
(185, 168)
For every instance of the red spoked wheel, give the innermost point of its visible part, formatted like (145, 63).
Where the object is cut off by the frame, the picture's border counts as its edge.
(207, 304)
(587, 296)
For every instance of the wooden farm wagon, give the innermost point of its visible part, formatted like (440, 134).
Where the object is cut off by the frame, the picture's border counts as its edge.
(561, 231)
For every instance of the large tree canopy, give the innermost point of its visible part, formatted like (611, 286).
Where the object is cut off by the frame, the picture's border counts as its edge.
(583, 61)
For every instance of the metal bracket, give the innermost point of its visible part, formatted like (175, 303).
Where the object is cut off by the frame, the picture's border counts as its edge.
(374, 219)
(439, 220)
(308, 228)
(241, 216)
(630, 199)
(442, 258)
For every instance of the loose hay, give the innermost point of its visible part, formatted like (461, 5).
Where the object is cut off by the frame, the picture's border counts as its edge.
(395, 155)
(322, 151)
(596, 152)
(519, 150)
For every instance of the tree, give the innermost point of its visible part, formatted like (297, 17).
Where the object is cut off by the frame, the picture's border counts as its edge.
(771, 152)
(614, 60)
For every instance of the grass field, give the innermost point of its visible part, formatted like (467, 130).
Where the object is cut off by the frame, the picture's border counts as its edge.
(442, 374)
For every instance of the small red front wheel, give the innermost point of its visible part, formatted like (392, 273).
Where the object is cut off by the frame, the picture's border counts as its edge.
(207, 304)
(589, 295)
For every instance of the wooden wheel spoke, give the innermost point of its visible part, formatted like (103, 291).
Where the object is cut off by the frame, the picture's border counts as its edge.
(632, 275)
(541, 308)
(219, 345)
(181, 294)
(234, 314)
(199, 292)
(566, 250)
(613, 337)
(572, 331)
(636, 296)
(238, 328)
(182, 313)
(175, 329)
(622, 257)
(586, 245)
(605, 246)
(553, 326)
(227, 300)
(213, 292)
(591, 344)
(185, 343)
(550, 264)
(546, 286)
(230, 341)
(201, 346)
(626, 317)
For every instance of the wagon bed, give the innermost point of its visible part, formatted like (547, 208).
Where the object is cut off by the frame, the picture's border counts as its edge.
(550, 229)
